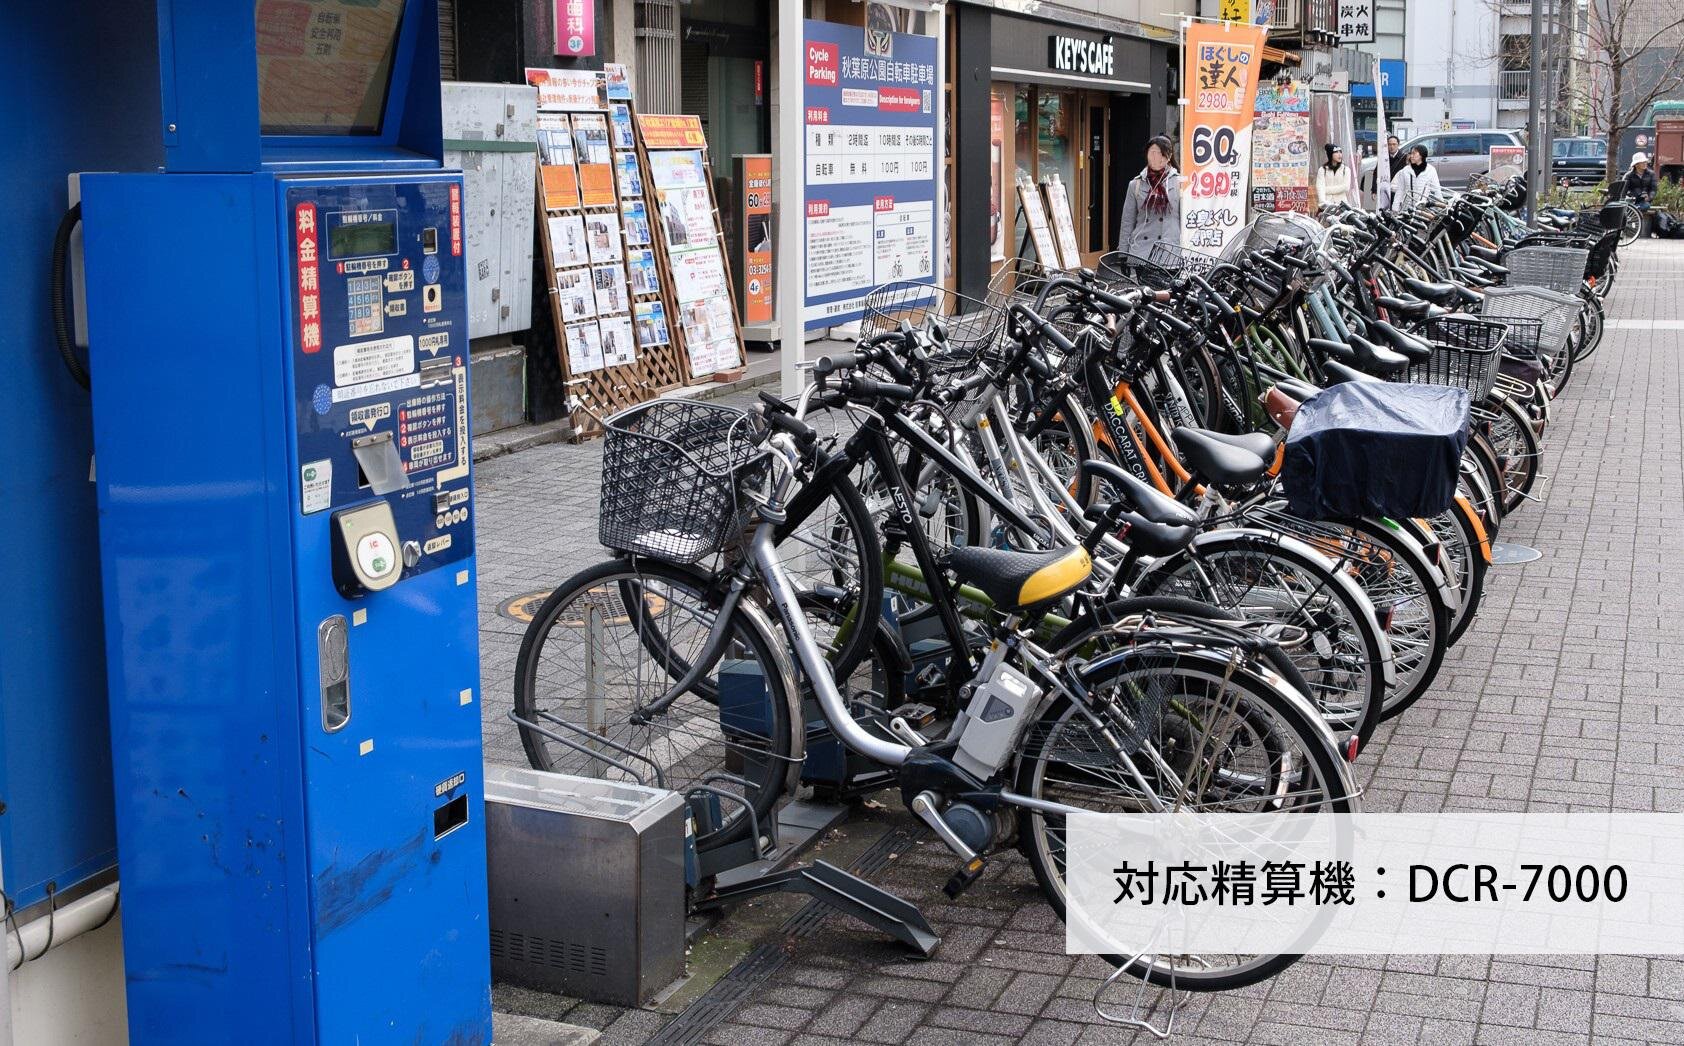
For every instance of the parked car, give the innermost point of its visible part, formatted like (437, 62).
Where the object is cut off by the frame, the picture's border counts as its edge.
(1461, 154)
(1581, 161)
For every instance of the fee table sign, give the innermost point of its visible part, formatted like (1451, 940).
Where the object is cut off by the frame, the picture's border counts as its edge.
(870, 166)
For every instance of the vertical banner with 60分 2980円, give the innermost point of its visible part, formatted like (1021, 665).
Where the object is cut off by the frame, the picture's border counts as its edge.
(1220, 63)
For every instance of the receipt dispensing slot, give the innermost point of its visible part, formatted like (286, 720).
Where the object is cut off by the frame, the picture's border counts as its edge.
(380, 464)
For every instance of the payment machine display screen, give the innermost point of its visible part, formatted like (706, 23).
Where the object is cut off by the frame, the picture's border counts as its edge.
(323, 66)
(357, 241)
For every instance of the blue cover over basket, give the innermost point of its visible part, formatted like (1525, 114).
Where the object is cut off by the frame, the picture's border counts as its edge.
(1375, 449)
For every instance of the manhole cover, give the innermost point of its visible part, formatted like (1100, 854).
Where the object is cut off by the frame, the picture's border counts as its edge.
(1508, 554)
(522, 607)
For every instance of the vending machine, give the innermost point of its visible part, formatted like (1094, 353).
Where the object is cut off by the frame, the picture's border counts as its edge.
(278, 336)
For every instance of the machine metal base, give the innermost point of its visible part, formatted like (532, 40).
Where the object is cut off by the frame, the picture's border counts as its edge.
(845, 892)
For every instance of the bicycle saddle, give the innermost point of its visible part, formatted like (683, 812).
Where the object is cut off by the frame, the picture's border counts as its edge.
(1409, 345)
(1259, 443)
(1219, 461)
(1337, 373)
(1438, 293)
(1377, 358)
(1298, 390)
(1411, 308)
(1155, 539)
(1147, 500)
(1331, 349)
(1490, 267)
(1529, 371)
(1018, 580)
(1490, 254)
(1282, 406)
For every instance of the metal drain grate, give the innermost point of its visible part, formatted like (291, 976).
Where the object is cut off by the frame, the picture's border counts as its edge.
(717, 1004)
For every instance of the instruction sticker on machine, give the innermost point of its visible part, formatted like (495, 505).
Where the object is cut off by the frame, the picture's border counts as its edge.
(373, 360)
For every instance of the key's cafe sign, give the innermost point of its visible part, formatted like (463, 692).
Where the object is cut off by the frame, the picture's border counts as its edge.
(1071, 54)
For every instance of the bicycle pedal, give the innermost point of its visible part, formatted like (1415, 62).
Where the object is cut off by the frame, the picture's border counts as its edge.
(965, 877)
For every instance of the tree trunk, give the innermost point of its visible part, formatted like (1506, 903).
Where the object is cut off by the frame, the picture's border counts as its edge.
(1617, 123)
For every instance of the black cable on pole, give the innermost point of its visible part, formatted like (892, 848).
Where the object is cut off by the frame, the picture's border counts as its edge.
(61, 319)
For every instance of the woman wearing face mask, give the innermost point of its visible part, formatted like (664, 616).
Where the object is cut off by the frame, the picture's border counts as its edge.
(1333, 179)
(1152, 204)
(1415, 183)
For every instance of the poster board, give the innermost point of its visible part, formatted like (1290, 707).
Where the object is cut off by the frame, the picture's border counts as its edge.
(1035, 219)
(998, 231)
(752, 246)
(1063, 224)
(1280, 148)
(700, 314)
(1506, 161)
(595, 241)
(870, 166)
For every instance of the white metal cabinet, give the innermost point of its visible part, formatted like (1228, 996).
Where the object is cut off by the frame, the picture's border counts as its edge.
(490, 132)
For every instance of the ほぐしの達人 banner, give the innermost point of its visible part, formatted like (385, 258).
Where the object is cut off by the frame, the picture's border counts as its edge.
(1220, 63)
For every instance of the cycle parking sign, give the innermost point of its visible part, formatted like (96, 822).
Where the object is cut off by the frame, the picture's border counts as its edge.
(1220, 70)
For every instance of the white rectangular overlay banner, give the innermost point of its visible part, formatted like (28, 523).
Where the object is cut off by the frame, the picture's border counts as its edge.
(1376, 884)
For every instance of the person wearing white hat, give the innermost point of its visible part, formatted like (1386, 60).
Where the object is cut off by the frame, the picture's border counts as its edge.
(1640, 183)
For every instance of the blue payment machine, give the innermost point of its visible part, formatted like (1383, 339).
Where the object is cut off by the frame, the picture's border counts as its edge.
(278, 336)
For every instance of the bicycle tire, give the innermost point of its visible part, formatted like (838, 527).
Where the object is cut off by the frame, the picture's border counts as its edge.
(1268, 703)
(847, 520)
(1459, 529)
(1591, 325)
(1516, 444)
(763, 771)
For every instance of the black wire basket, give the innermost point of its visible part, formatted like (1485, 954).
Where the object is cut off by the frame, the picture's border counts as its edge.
(1466, 354)
(1020, 281)
(672, 476)
(971, 325)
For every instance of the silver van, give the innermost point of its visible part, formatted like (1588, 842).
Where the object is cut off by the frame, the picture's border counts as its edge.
(1459, 155)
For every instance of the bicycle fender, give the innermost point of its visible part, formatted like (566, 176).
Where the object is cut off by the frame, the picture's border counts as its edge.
(756, 615)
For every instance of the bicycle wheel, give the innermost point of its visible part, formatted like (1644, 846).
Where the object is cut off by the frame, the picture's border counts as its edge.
(1178, 730)
(1558, 368)
(1631, 225)
(1467, 556)
(1510, 432)
(834, 550)
(1588, 326)
(1344, 657)
(1490, 471)
(1408, 596)
(608, 643)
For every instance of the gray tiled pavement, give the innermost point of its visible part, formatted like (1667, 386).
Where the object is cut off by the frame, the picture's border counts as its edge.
(1568, 693)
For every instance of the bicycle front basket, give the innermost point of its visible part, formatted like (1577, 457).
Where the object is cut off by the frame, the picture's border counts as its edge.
(971, 325)
(1553, 312)
(1466, 355)
(672, 471)
(1552, 268)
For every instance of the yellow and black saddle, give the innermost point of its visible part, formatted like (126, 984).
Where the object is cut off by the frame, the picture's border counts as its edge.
(1016, 581)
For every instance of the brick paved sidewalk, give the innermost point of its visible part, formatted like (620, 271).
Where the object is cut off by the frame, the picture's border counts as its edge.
(1568, 693)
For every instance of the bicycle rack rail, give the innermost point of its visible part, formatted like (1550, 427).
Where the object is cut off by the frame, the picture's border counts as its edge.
(841, 890)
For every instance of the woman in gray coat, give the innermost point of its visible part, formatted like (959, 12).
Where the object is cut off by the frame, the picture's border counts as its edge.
(1152, 204)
